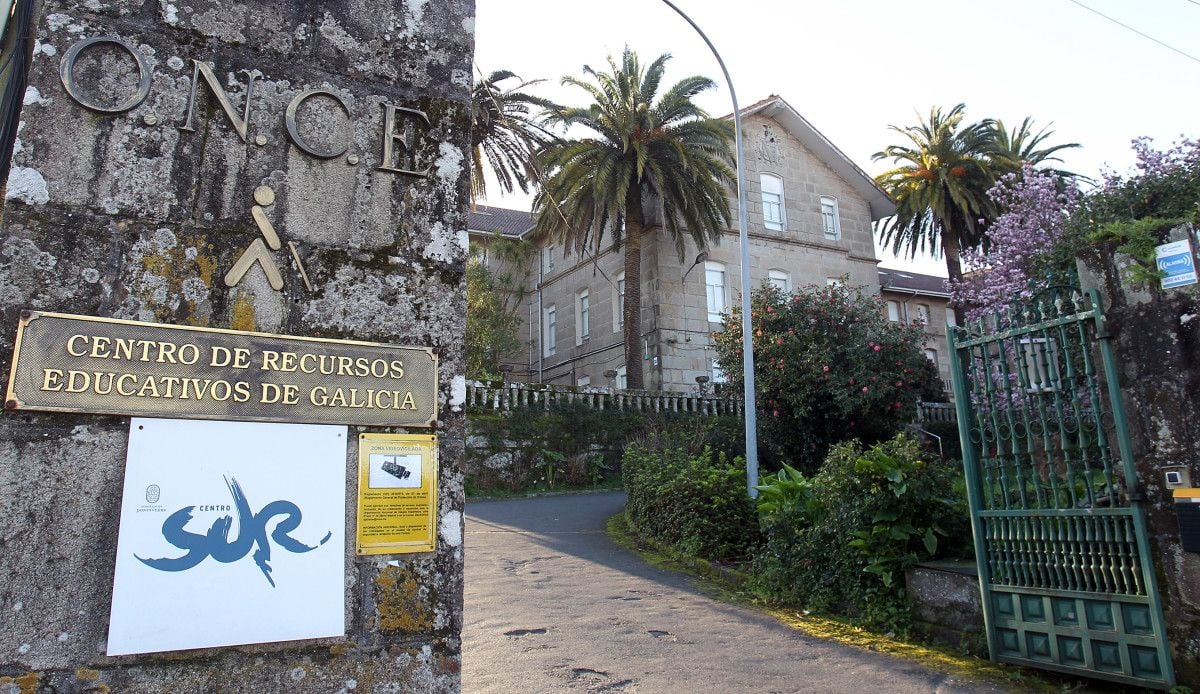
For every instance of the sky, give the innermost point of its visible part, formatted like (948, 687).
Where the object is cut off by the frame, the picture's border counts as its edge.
(854, 67)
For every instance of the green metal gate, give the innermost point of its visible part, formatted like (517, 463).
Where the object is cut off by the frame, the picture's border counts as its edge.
(1065, 569)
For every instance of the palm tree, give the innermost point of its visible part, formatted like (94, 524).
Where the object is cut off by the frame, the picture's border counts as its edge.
(940, 186)
(663, 153)
(504, 132)
(1013, 149)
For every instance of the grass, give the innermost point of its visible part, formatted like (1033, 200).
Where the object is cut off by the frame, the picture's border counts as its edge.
(725, 584)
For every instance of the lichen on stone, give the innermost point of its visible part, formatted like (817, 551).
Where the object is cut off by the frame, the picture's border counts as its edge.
(401, 601)
(174, 281)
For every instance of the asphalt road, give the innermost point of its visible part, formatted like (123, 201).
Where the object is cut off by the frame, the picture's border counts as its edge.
(552, 605)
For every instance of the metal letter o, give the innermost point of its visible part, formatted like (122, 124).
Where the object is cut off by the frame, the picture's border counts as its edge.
(66, 68)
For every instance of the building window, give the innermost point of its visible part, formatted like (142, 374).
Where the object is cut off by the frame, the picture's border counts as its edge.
(714, 286)
(619, 304)
(547, 260)
(549, 325)
(583, 317)
(585, 381)
(622, 382)
(772, 201)
(830, 221)
(922, 316)
(718, 374)
(894, 311)
(950, 319)
(780, 279)
(931, 355)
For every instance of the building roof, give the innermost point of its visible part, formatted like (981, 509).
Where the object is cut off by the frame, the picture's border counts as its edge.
(912, 283)
(781, 112)
(487, 220)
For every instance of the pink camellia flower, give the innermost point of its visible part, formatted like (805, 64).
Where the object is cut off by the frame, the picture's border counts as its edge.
(776, 413)
(779, 341)
(877, 348)
(824, 368)
(758, 333)
(864, 389)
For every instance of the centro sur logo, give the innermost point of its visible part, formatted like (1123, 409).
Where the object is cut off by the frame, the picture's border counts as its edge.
(252, 530)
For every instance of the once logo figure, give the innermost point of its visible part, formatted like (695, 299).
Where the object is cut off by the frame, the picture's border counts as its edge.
(257, 252)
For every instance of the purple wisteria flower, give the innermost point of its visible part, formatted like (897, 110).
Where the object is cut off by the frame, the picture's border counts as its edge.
(1035, 216)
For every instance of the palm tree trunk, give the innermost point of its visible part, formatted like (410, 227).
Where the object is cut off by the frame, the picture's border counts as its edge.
(953, 267)
(633, 288)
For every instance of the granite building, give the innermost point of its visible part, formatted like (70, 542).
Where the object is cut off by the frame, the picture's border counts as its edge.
(810, 215)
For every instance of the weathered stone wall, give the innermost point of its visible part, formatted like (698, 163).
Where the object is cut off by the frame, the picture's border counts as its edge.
(1156, 338)
(129, 216)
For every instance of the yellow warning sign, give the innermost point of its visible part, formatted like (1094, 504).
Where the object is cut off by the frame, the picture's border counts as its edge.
(397, 493)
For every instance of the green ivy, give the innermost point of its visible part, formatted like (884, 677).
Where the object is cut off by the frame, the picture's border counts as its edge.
(1139, 240)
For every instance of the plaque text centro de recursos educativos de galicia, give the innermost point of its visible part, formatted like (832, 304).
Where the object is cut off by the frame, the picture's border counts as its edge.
(65, 363)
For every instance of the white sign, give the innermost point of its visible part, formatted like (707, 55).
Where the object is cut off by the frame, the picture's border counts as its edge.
(231, 533)
(1175, 259)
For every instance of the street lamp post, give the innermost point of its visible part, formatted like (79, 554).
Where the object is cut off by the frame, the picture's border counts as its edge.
(744, 242)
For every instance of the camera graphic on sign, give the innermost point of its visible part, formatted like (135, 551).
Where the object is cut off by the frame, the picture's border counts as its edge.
(395, 471)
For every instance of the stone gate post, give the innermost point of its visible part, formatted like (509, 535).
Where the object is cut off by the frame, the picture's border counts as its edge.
(292, 168)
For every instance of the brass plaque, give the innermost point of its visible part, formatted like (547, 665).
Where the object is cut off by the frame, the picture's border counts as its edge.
(397, 493)
(65, 363)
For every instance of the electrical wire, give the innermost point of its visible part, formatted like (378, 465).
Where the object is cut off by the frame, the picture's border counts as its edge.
(1136, 31)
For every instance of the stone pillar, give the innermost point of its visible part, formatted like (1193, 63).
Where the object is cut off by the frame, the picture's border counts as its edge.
(131, 198)
(1156, 338)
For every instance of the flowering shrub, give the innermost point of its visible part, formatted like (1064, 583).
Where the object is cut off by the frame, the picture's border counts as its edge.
(1166, 184)
(1132, 214)
(1035, 215)
(829, 366)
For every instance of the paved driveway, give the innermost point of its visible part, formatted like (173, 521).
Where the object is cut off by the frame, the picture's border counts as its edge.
(552, 605)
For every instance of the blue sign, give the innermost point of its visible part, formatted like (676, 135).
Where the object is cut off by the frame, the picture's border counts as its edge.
(1176, 263)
